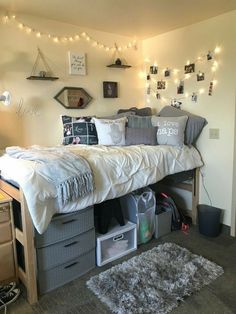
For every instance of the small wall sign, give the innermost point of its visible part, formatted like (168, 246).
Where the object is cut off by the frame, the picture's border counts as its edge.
(77, 63)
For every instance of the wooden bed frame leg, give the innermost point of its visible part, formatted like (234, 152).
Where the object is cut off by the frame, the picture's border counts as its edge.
(195, 195)
(29, 253)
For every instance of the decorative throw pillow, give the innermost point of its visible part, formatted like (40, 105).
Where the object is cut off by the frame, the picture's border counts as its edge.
(170, 130)
(194, 125)
(137, 136)
(146, 111)
(111, 132)
(139, 122)
(79, 130)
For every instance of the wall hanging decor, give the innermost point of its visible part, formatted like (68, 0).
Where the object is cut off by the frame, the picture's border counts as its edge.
(77, 63)
(118, 61)
(110, 90)
(189, 80)
(73, 98)
(41, 70)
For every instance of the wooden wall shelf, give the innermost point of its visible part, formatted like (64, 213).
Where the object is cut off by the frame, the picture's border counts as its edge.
(42, 78)
(120, 66)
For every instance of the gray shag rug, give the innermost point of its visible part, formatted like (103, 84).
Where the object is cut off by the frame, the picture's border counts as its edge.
(154, 281)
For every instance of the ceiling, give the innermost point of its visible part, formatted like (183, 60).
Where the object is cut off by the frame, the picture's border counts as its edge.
(135, 18)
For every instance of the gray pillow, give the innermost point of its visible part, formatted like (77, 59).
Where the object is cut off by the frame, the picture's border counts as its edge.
(146, 111)
(170, 130)
(119, 115)
(137, 136)
(139, 122)
(194, 125)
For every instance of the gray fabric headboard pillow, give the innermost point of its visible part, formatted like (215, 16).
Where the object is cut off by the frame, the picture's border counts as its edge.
(146, 111)
(194, 125)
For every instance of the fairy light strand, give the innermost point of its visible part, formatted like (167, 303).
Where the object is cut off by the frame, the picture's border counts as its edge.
(55, 38)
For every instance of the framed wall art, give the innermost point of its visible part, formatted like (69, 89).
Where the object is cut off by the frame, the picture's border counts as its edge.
(110, 90)
(77, 63)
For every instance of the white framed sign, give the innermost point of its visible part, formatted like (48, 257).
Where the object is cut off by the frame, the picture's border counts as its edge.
(77, 63)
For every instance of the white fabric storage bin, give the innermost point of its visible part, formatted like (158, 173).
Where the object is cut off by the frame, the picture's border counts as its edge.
(119, 241)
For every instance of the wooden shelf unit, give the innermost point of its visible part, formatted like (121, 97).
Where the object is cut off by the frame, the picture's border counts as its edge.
(26, 239)
(8, 260)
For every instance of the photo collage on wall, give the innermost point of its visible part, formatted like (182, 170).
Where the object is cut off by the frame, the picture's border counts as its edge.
(189, 80)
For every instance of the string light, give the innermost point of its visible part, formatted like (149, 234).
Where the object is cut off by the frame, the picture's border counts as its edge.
(28, 29)
(217, 49)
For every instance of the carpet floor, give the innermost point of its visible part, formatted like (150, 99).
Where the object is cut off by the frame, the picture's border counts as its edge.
(219, 297)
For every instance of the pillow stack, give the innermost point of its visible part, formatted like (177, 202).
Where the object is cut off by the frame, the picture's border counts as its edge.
(134, 127)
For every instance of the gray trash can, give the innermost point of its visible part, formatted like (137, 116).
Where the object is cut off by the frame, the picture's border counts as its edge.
(209, 220)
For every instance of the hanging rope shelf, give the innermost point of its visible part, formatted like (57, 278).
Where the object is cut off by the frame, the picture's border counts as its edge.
(44, 75)
(118, 61)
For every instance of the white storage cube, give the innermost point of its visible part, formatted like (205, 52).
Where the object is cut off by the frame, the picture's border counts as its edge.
(117, 242)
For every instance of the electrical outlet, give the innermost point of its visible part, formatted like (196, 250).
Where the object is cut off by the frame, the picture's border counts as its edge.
(214, 134)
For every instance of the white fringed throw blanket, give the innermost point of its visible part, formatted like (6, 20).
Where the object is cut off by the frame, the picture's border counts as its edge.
(70, 173)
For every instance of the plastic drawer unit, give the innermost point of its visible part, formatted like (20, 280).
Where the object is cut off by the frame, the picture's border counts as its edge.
(119, 241)
(66, 250)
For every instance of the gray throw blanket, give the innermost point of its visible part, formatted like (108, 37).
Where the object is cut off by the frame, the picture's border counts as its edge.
(70, 173)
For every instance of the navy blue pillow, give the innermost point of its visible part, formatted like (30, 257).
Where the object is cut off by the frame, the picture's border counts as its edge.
(79, 130)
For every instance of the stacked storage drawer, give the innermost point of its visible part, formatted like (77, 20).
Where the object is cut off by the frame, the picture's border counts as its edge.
(66, 250)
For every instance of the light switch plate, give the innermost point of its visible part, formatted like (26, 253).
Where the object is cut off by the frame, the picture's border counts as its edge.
(214, 134)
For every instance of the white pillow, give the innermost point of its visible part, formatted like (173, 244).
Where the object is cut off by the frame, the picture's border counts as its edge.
(111, 132)
(170, 130)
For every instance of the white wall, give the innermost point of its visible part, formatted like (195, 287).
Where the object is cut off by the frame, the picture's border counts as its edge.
(173, 49)
(18, 54)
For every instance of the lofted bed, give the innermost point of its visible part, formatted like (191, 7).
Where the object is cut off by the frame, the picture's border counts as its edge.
(117, 171)
(54, 189)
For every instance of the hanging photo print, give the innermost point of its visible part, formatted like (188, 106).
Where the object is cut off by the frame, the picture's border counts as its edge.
(194, 97)
(175, 103)
(180, 87)
(209, 55)
(200, 76)
(210, 89)
(167, 73)
(153, 69)
(148, 77)
(148, 90)
(189, 68)
(161, 84)
(158, 95)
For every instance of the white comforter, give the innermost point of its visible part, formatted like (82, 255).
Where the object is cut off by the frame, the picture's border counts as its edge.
(117, 171)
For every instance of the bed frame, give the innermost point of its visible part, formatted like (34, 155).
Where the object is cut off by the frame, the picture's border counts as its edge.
(28, 276)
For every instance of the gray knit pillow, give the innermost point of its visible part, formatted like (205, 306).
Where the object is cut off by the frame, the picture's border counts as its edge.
(137, 136)
(139, 122)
